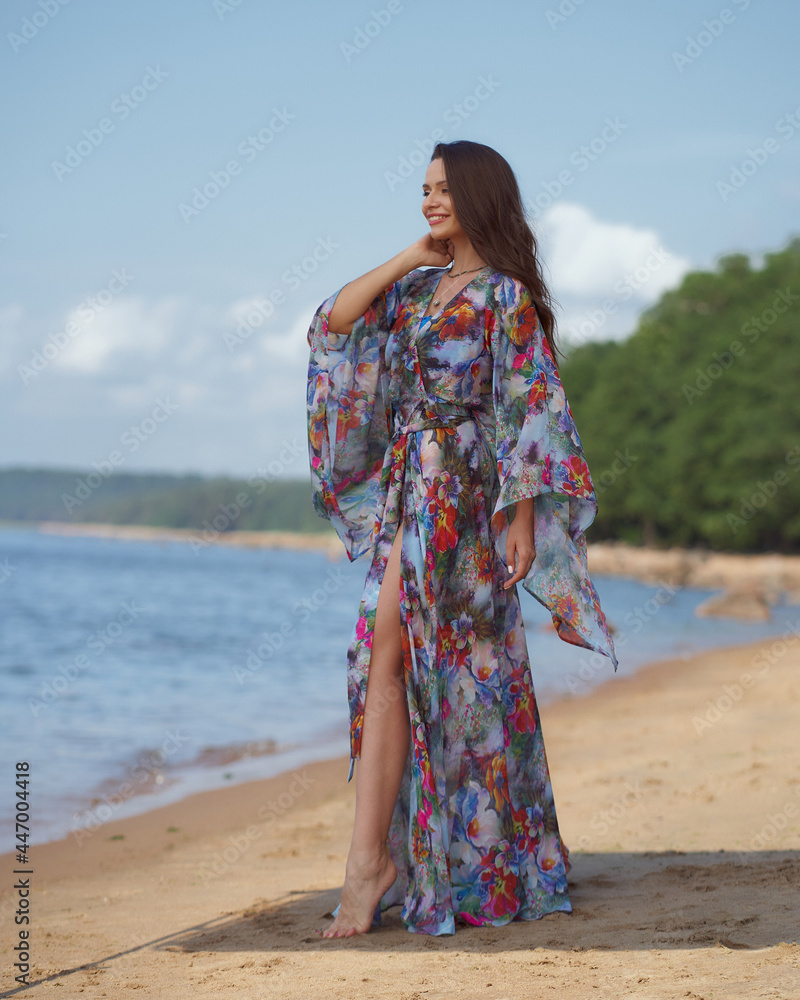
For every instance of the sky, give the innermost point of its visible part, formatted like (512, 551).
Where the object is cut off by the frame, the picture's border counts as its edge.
(177, 172)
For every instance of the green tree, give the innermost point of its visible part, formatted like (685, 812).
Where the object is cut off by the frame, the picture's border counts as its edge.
(703, 401)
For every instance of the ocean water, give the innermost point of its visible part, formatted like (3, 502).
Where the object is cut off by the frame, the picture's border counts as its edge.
(135, 673)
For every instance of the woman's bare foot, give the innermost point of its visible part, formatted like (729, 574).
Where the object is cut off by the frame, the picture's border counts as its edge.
(364, 885)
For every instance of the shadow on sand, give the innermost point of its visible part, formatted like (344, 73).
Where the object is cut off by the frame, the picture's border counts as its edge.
(620, 901)
(624, 901)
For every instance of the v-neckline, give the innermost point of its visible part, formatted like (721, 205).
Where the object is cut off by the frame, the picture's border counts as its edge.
(427, 315)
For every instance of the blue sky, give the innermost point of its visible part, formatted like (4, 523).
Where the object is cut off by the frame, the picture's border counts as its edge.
(306, 125)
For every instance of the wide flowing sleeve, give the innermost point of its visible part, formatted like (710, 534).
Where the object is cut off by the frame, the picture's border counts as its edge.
(539, 455)
(348, 418)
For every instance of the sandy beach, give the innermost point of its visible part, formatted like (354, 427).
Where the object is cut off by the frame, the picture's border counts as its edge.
(678, 793)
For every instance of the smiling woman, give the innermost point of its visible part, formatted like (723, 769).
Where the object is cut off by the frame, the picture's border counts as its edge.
(441, 443)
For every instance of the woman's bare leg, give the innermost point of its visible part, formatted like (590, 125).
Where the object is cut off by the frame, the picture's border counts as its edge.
(384, 751)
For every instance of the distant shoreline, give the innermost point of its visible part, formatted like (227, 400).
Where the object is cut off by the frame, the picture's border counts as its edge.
(327, 541)
(772, 573)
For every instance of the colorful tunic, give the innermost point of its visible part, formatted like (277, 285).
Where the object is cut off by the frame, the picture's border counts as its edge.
(442, 423)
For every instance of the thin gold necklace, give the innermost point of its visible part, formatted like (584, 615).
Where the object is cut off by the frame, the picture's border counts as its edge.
(458, 274)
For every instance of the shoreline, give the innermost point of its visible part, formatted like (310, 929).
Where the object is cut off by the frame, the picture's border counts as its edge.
(773, 574)
(150, 781)
(326, 541)
(130, 797)
(678, 794)
(644, 677)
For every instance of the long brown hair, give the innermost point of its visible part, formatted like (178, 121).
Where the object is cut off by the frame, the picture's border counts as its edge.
(489, 209)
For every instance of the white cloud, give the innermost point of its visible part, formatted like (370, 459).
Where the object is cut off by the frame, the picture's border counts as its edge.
(603, 273)
(126, 329)
(236, 409)
(289, 345)
(588, 257)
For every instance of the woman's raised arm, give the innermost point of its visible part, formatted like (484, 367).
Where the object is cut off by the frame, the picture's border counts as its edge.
(356, 296)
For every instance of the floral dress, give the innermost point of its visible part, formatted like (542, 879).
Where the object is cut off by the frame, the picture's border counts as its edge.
(442, 423)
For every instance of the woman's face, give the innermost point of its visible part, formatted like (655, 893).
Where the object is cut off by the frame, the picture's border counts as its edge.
(437, 206)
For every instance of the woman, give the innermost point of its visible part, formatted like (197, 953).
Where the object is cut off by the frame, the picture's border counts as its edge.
(442, 444)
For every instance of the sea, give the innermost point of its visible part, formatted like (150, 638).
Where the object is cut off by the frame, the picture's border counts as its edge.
(135, 673)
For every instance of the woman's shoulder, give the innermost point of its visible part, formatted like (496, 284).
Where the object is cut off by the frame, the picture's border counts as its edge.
(505, 292)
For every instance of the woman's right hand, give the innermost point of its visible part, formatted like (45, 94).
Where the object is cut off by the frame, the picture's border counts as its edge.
(430, 252)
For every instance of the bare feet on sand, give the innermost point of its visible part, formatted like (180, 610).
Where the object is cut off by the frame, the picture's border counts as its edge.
(364, 884)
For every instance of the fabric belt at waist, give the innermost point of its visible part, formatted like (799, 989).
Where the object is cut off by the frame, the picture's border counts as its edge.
(404, 424)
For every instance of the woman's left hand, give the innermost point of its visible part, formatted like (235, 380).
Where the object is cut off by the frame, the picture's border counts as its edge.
(520, 547)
